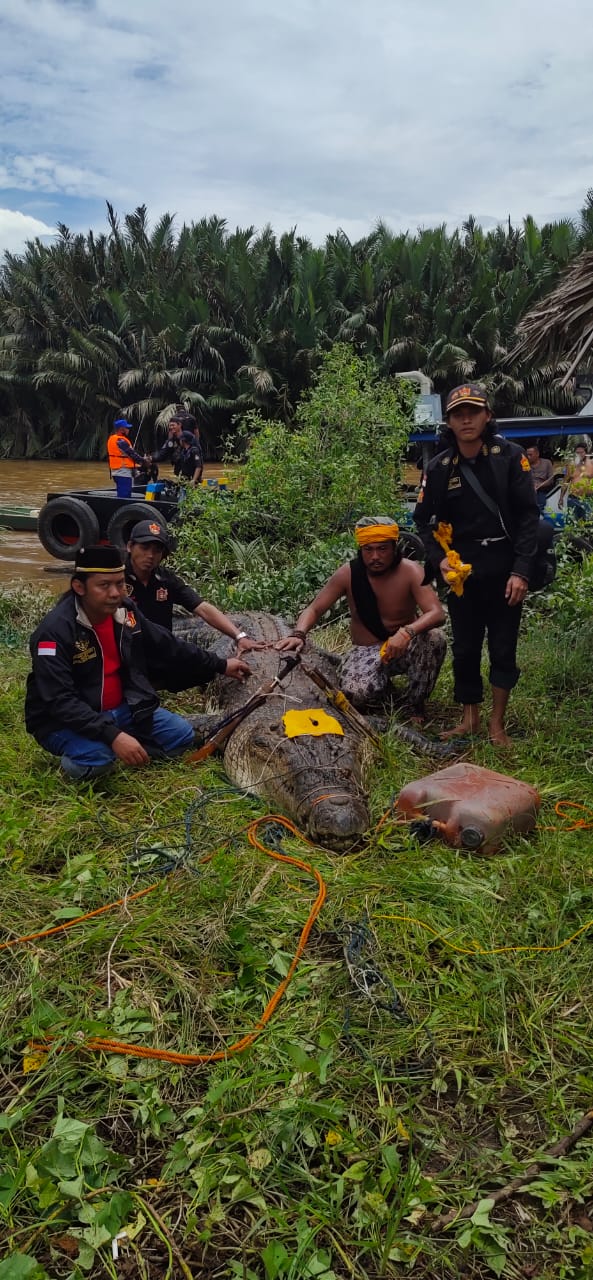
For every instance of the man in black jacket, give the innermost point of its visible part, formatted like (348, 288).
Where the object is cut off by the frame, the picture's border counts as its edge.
(156, 589)
(90, 696)
(481, 485)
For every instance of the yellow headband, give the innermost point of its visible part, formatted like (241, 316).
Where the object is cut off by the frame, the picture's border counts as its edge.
(376, 533)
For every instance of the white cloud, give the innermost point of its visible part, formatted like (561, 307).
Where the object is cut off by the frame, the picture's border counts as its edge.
(321, 113)
(16, 228)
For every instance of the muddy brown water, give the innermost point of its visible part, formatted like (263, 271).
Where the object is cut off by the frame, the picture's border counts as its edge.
(27, 484)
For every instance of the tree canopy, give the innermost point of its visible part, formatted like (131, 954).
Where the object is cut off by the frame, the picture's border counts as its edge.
(143, 317)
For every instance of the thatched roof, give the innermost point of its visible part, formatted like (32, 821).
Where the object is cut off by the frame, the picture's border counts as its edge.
(561, 325)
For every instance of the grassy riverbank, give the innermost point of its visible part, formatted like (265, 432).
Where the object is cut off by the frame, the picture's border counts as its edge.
(327, 1149)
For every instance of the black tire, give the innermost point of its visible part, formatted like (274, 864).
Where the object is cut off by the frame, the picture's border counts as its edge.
(411, 545)
(123, 520)
(65, 525)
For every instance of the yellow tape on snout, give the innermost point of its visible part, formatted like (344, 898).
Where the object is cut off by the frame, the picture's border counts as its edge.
(314, 722)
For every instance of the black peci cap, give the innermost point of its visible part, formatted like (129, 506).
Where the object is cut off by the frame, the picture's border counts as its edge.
(103, 559)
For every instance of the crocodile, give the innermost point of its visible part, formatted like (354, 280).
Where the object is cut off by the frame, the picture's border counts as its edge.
(317, 781)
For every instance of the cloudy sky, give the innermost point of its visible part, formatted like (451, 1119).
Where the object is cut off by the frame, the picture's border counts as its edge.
(314, 113)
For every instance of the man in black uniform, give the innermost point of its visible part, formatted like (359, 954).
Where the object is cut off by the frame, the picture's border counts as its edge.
(90, 696)
(171, 449)
(189, 464)
(155, 589)
(482, 486)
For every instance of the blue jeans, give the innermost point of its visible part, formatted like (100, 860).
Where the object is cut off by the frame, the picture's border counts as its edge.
(86, 758)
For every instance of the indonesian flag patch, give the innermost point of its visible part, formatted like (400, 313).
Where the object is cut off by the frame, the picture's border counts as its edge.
(46, 649)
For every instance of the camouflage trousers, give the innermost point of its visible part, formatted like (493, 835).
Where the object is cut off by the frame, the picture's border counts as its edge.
(366, 680)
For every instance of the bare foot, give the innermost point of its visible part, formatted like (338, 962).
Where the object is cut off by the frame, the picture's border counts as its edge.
(498, 736)
(465, 729)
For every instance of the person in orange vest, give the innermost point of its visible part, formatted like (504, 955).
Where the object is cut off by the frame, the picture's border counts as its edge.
(123, 459)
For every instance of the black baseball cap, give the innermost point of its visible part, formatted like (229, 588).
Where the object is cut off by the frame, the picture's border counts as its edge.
(149, 531)
(467, 393)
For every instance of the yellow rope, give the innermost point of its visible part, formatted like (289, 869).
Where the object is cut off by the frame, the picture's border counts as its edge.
(477, 950)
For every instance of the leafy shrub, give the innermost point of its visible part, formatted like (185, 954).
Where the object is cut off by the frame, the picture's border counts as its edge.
(569, 601)
(21, 608)
(273, 544)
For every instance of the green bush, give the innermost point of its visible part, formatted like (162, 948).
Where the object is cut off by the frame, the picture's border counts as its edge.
(303, 488)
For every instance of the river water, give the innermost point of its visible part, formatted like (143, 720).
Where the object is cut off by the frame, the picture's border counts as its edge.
(27, 484)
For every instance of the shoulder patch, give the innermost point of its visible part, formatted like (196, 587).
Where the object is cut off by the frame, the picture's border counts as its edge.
(525, 463)
(46, 648)
(495, 448)
(130, 619)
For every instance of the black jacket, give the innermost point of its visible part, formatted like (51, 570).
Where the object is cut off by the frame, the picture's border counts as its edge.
(65, 686)
(515, 496)
(163, 590)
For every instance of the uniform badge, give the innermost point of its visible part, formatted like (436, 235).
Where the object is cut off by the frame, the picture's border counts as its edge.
(155, 528)
(495, 448)
(162, 594)
(525, 464)
(83, 651)
(454, 483)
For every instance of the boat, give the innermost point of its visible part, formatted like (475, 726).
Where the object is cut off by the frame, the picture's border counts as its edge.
(21, 518)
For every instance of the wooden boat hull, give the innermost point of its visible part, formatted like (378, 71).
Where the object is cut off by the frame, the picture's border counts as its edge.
(19, 518)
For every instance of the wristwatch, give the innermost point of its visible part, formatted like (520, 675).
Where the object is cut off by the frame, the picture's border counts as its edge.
(241, 635)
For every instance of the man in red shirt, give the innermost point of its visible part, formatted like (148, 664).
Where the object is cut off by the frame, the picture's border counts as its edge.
(90, 695)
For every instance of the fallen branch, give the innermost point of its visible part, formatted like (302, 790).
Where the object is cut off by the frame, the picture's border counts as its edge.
(507, 1192)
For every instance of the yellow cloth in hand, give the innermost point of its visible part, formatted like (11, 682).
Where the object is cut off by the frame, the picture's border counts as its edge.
(457, 574)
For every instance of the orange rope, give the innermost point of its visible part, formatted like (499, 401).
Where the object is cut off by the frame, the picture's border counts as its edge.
(580, 824)
(98, 1044)
(59, 928)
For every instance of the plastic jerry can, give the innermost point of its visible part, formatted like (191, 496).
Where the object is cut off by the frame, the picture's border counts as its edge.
(470, 807)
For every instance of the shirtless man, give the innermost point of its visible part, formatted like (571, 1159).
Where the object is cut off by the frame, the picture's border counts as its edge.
(390, 607)
(578, 483)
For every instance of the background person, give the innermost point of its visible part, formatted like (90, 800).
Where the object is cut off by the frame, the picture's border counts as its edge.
(170, 450)
(389, 605)
(494, 530)
(190, 424)
(156, 589)
(123, 459)
(542, 471)
(189, 463)
(90, 697)
(577, 485)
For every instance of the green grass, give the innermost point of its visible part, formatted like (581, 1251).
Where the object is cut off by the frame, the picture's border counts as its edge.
(327, 1148)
